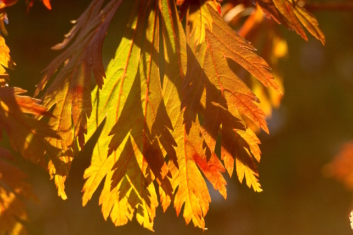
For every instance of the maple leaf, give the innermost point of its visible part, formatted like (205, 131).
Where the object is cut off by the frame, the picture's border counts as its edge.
(144, 122)
(192, 190)
(136, 128)
(272, 47)
(226, 96)
(291, 14)
(199, 17)
(70, 92)
(13, 190)
(26, 134)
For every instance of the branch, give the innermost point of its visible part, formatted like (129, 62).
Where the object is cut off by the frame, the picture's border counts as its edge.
(329, 6)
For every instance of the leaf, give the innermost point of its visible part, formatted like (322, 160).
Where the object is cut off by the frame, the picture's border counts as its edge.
(13, 190)
(226, 86)
(150, 105)
(5, 62)
(226, 97)
(192, 190)
(136, 118)
(292, 15)
(70, 91)
(272, 47)
(26, 134)
(199, 19)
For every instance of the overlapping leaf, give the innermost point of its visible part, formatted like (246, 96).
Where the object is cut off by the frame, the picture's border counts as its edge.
(143, 124)
(191, 191)
(168, 95)
(26, 134)
(291, 14)
(70, 91)
(226, 97)
(272, 47)
(198, 19)
(132, 104)
(13, 190)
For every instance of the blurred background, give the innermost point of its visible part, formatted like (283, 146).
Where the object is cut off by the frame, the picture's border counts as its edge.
(315, 118)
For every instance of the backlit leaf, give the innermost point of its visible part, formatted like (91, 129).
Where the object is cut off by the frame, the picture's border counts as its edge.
(5, 62)
(26, 134)
(168, 95)
(199, 19)
(226, 97)
(70, 92)
(292, 15)
(192, 191)
(272, 47)
(137, 128)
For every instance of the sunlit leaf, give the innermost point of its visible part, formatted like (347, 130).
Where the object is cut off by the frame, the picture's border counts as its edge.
(26, 134)
(273, 47)
(5, 62)
(70, 92)
(293, 16)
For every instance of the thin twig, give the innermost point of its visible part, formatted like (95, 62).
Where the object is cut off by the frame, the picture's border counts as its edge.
(329, 6)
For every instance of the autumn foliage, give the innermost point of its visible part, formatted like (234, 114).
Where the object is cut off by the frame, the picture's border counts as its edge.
(166, 99)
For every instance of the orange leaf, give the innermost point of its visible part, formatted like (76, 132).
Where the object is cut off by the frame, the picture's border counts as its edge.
(192, 190)
(5, 62)
(26, 134)
(226, 97)
(291, 14)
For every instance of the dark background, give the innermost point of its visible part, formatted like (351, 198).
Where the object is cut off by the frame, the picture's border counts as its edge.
(314, 120)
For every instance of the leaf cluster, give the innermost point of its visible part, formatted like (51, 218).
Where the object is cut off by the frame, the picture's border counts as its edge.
(165, 99)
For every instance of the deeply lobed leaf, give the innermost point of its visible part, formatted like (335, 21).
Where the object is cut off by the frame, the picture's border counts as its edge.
(292, 15)
(70, 92)
(26, 134)
(160, 82)
(131, 103)
(144, 123)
